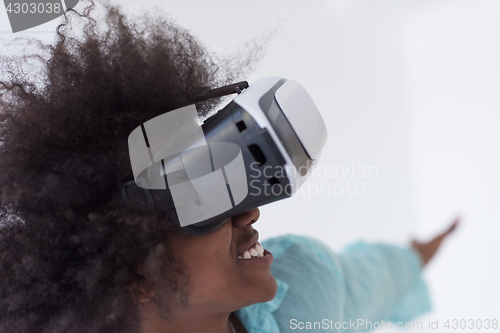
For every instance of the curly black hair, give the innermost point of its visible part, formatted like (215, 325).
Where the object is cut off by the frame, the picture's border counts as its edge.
(69, 252)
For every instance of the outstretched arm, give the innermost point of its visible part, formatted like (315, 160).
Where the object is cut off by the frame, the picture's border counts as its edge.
(384, 281)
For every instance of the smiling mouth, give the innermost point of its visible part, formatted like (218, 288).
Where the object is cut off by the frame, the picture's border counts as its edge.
(255, 251)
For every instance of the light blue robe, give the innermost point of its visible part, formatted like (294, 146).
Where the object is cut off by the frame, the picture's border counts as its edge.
(320, 291)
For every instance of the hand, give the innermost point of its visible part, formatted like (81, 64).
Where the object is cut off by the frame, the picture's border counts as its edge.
(428, 249)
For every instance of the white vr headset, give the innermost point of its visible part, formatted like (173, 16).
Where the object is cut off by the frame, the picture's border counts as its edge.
(259, 148)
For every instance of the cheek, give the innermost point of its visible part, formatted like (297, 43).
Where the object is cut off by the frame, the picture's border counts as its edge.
(209, 264)
(211, 276)
(212, 270)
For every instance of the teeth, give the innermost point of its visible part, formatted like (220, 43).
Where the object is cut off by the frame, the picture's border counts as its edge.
(260, 249)
(255, 251)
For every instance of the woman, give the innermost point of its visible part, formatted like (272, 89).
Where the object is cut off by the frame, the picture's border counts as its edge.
(74, 259)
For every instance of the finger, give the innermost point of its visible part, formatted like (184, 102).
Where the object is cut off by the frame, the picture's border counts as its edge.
(453, 225)
(436, 242)
(449, 229)
(416, 244)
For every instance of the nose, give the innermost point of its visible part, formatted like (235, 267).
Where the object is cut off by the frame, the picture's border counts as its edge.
(246, 218)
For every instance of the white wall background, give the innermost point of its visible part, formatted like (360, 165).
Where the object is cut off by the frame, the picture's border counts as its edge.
(408, 88)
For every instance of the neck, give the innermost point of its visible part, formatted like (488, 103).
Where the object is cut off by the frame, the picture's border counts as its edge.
(185, 322)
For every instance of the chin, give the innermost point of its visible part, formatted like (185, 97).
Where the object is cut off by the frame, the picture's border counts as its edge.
(270, 290)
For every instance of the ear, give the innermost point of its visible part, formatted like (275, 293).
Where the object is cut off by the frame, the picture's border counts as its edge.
(141, 290)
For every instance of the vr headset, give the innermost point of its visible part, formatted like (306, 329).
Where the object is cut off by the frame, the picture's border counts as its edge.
(258, 149)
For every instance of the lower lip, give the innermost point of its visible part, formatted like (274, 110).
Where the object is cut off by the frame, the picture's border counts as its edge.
(266, 259)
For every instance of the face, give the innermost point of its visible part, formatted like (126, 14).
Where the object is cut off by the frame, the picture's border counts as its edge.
(218, 279)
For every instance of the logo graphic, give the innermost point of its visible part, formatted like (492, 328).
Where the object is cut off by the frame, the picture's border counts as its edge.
(205, 179)
(29, 14)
